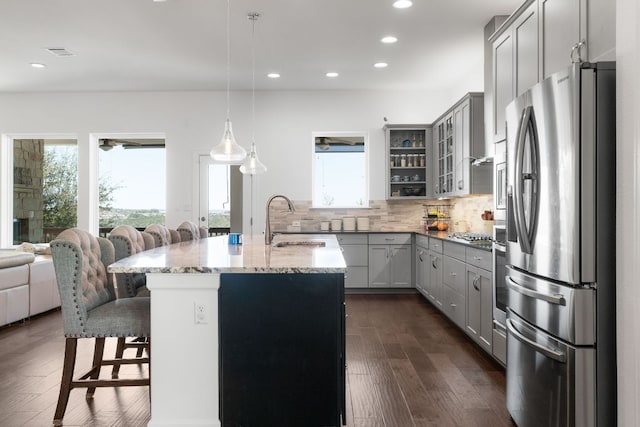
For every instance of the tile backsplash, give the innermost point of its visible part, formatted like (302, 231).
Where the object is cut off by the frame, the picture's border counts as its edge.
(386, 215)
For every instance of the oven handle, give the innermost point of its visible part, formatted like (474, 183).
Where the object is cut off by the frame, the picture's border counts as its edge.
(551, 353)
(557, 299)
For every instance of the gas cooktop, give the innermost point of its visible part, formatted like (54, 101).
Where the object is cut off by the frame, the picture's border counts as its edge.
(472, 237)
(482, 240)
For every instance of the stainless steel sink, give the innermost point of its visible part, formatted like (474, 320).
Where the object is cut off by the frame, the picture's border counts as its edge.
(300, 243)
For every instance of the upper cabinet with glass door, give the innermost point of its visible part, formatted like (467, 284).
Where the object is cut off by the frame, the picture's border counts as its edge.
(458, 142)
(408, 171)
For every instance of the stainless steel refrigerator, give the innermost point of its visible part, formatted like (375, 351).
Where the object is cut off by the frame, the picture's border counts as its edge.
(561, 250)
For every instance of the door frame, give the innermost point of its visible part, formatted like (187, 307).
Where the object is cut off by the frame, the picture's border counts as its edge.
(235, 193)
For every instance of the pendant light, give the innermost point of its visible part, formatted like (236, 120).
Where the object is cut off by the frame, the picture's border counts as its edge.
(252, 165)
(228, 151)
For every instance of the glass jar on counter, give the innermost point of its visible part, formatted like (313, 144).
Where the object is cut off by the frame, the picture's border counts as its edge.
(403, 160)
(423, 160)
(409, 160)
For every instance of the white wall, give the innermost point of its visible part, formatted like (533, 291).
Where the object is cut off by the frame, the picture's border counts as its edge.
(628, 211)
(193, 123)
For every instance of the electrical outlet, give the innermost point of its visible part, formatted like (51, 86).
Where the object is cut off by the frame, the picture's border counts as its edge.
(295, 223)
(201, 313)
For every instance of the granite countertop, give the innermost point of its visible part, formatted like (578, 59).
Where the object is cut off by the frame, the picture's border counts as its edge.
(442, 235)
(215, 255)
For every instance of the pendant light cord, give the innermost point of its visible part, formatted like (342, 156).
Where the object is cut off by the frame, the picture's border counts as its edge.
(253, 77)
(228, 53)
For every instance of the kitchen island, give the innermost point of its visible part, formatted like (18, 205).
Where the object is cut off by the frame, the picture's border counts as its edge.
(246, 334)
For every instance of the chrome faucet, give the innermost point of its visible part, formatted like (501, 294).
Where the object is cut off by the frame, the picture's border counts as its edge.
(268, 235)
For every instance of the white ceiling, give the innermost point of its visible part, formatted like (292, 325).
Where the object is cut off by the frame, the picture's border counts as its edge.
(127, 45)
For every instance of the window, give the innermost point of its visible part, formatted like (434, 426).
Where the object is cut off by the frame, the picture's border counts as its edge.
(340, 178)
(45, 188)
(132, 184)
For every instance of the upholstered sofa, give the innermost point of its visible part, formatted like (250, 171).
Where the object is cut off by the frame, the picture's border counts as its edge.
(27, 285)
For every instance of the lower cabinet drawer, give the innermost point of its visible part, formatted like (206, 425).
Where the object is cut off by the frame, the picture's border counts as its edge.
(357, 277)
(479, 258)
(454, 306)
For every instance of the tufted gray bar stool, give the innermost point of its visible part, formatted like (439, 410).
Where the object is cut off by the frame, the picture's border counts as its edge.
(128, 241)
(90, 309)
(188, 231)
(162, 235)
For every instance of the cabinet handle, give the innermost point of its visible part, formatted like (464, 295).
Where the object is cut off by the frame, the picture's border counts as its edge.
(433, 263)
(576, 52)
(389, 239)
(453, 305)
(475, 283)
(453, 274)
(477, 258)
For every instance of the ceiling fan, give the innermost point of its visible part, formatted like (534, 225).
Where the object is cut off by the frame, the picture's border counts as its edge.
(325, 142)
(107, 144)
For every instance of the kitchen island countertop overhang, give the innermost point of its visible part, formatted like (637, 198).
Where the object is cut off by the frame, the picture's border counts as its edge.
(215, 255)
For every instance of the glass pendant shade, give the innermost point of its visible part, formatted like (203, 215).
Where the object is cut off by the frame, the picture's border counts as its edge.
(228, 151)
(252, 165)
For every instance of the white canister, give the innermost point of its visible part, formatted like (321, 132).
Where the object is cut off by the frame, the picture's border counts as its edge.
(336, 225)
(349, 223)
(324, 225)
(363, 223)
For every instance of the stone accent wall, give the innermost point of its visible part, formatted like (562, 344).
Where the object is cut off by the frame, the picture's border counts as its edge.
(465, 214)
(386, 215)
(28, 206)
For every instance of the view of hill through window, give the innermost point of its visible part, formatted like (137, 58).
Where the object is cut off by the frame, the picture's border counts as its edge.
(132, 186)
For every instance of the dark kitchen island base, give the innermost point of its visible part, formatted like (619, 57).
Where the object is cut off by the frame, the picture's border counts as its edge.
(282, 360)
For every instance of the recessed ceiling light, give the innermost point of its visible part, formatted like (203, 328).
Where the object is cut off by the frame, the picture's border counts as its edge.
(402, 4)
(381, 65)
(273, 75)
(332, 74)
(389, 39)
(37, 65)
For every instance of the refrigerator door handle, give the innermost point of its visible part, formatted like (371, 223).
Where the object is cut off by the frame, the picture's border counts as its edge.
(557, 299)
(549, 352)
(526, 234)
(512, 232)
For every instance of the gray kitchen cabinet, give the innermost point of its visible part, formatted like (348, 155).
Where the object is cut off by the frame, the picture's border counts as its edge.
(454, 285)
(390, 260)
(408, 151)
(479, 297)
(489, 87)
(502, 83)
(443, 146)
(453, 274)
(355, 249)
(536, 41)
(562, 24)
(458, 141)
(468, 120)
(515, 62)
(435, 284)
(525, 43)
(422, 265)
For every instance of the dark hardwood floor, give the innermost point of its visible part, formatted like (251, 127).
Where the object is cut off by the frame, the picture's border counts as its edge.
(407, 365)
